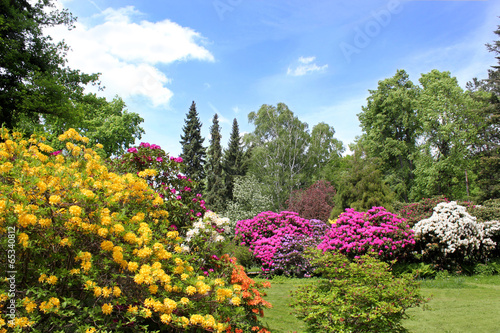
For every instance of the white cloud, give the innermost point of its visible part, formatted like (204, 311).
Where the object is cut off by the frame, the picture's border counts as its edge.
(236, 109)
(126, 52)
(305, 66)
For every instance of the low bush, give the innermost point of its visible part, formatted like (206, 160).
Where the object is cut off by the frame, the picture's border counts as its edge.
(488, 211)
(419, 270)
(377, 231)
(355, 296)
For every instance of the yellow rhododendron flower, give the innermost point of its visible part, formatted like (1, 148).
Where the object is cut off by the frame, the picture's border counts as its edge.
(107, 308)
(51, 279)
(190, 290)
(23, 239)
(196, 319)
(165, 318)
(65, 242)
(106, 291)
(116, 291)
(54, 199)
(97, 291)
(153, 289)
(107, 245)
(75, 210)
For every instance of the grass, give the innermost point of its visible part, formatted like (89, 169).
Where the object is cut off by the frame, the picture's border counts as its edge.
(278, 318)
(457, 305)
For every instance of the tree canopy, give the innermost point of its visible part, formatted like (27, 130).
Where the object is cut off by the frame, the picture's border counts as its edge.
(34, 79)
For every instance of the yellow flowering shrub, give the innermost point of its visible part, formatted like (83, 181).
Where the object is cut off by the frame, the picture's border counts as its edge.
(92, 251)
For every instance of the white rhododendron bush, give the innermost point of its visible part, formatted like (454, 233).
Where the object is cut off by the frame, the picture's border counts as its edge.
(452, 237)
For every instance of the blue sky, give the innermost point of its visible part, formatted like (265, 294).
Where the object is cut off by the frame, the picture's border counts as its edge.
(231, 56)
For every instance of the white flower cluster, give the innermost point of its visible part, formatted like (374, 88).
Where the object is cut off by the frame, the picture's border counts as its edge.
(454, 230)
(492, 228)
(211, 228)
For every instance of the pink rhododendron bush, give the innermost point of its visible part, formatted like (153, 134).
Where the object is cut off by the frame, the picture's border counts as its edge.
(278, 241)
(452, 237)
(182, 202)
(376, 232)
(88, 250)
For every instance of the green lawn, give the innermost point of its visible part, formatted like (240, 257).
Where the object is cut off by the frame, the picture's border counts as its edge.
(458, 304)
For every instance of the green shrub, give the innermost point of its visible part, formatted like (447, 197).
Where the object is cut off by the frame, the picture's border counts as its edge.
(488, 211)
(490, 268)
(419, 270)
(358, 296)
(241, 252)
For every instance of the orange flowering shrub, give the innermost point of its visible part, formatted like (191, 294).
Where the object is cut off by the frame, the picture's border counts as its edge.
(88, 250)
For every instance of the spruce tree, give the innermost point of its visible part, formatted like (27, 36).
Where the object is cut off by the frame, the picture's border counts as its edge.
(214, 191)
(193, 152)
(233, 163)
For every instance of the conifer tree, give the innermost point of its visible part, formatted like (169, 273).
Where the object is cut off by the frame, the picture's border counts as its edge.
(214, 190)
(233, 163)
(193, 152)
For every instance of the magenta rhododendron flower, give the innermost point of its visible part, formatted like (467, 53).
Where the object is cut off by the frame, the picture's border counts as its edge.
(269, 236)
(132, 150)
(356, 233)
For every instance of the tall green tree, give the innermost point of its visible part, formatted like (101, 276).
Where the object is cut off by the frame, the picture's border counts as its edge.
(34, 79)
(487, 149)
(324, 150)
(391, 128)
(279, 156)
(450, 128)
(233, 161)
(193, 152)
(214, 189)
(361, 185)
(285, 156)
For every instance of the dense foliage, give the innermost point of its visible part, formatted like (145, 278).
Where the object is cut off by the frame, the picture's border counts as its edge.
(355, 296)
(91, 249)
(377, 232)
(360, 185)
